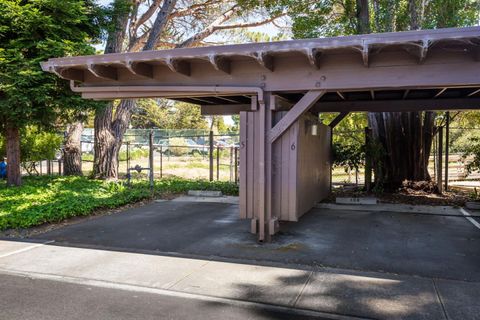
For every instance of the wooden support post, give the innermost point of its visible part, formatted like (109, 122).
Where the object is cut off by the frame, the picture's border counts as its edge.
(150, 158)
(59, 167)
(447, 146)
(439, 174)
(262, 139)
(368, 161)
(210, 141)
(49, 167)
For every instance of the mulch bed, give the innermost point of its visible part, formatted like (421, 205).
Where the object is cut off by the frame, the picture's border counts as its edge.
(413, 193)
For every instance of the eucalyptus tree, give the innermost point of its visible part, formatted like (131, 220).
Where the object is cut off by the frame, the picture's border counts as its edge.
(137, 25)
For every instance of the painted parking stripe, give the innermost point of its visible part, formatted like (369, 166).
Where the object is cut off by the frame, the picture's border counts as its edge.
(469, 218)
(26, 248)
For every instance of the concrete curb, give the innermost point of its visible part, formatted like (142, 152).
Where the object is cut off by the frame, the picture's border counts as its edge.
(398, 208)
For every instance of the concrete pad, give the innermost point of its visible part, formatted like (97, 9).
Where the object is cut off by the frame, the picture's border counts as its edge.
(355, 201)
(222, 199)
(204, 193)
(129, 268)
(246, 282)
(372, 296)
(460, 299)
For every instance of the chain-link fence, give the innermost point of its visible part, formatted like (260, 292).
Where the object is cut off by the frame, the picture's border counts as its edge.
(459, 141)
(194, 154)
(197, 154)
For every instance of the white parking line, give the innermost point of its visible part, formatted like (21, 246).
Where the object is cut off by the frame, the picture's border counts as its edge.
(469, 218)
(26, 248)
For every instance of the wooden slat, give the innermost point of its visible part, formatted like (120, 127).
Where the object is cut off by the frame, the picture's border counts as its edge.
(338, 119)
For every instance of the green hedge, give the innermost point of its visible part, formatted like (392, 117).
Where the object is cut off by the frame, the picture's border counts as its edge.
(52, 199)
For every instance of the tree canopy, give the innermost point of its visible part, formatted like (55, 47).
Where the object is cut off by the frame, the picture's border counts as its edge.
(31, 32)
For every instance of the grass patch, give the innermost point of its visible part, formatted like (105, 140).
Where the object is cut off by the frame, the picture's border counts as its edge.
(52, 199)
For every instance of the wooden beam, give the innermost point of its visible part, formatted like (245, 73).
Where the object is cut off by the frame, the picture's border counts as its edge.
(439, 93)
(365, 55)
(179, 66)
(224, 110)
(103, 71)
(278, 103)
(264, 59)
(473, 93)
(313, 56)
(398, 105)
(423, 51)
(338, 119)
(302, 106)
(69, 74)
(220, 64)
(341, 95)
(141, 69)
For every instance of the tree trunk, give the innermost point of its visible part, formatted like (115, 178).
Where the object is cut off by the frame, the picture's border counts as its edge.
(108, 136)
(406, 138)
(12, 136)
(363, 17)
(109, 129)
(72, 150)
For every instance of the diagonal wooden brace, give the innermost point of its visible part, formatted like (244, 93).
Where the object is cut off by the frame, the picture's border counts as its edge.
(302, 106)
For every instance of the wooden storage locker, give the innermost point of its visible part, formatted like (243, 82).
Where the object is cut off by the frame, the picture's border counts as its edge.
(300, 167)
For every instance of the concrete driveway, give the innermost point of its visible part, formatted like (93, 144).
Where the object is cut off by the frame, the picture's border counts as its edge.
(425, 245)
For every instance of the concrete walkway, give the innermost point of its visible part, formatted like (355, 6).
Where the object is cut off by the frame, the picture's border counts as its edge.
(338, 293)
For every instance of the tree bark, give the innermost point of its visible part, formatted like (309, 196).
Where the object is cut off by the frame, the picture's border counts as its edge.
(104, 164)
(72, 150)
(406, 138)
(12, 136)
(363, 17)
(159, 24)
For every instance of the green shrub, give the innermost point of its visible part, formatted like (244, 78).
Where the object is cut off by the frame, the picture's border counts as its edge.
(51, 199)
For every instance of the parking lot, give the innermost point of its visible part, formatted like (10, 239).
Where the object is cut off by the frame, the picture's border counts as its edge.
(426, 245)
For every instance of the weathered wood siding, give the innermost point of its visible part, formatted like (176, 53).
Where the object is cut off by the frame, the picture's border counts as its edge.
(300, 172)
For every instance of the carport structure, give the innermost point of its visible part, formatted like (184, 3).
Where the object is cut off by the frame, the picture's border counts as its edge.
(279, 88)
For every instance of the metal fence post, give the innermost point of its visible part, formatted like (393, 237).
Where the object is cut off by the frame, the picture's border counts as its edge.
(447, 146)
(218, 163)
(368, 161)
(128, 155)
(236, 165)
(161, 162)
(150, 157)
(211, 155)
(231, 164)
(439, 157)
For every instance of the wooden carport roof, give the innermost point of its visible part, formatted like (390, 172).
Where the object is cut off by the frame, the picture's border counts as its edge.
(428, 69)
